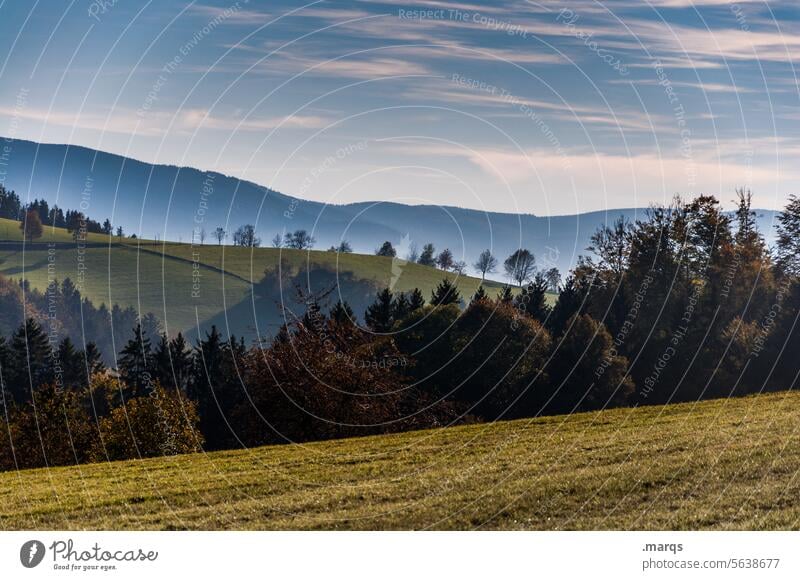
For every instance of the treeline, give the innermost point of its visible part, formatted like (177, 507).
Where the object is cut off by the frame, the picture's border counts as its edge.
(684, 304)
(63, 312)
(40, 213)
(694, 299)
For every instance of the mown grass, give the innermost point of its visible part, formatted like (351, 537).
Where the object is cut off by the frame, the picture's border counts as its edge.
(10, 231)
(724, 464)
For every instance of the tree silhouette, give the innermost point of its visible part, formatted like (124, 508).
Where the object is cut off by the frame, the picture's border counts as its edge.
(426, 258)
(445, 259)
(386, 250)
(445, 293)
(486, 263)
(520, 266)
(380, 314)
(31, 226)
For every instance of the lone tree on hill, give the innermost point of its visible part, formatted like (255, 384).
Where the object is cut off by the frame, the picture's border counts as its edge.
(445, 260)
(220, 234)
(426, 258)
(485, 264)
(386, 250)
(520, 266)
(31, 226)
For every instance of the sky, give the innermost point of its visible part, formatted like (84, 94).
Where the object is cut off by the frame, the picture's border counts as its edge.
(517, 106)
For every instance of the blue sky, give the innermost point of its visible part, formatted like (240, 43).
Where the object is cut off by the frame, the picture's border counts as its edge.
(540, 107)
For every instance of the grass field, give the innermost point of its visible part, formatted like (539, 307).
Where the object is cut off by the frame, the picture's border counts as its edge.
(724, 464)
(161, 278)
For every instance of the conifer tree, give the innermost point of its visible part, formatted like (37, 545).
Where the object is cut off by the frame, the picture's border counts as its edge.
(30, 360)
(379, 315)
(341, 313)
(445, 293)
(480, 294)
(135, 362)
(415, 300)
(400, 308)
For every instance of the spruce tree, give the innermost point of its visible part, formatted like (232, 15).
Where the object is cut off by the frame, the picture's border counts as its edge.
(416, 300)
(427, 258)
(162, 363)
(445, 293)
(207, 377)
(568, 304)
(506, 296)
(400, 308)
(93, 360)
(341, 313)
(31, 358)
(533, 298)
(379, 315)
(181, 356)
(135, 362)
(480, 294)
(71, 363)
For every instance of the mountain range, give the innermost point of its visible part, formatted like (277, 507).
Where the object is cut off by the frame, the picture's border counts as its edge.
(172, 203)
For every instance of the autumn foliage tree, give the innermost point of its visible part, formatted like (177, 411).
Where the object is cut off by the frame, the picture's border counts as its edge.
(31, 225)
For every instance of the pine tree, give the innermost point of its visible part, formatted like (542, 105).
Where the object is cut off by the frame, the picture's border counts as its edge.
(71, 363)
(379, 315)
(445, 293)
(788, 242)
(416, 300)
(568, 304)
(207, 378)
(427, 258)
(162, 363)
(282, 336)
(401, 307)
(506, 296)
(181, 356)
(533, 298)
(480, 294)
(93, 360)
(386, 250)
(135, 362)
(341, 313)
(30, 360)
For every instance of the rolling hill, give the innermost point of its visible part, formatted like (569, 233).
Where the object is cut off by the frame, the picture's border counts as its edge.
(723, 464)
(189, 288)
(168, 202)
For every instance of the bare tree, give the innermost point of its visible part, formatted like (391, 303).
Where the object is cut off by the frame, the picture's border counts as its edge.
(277, 241)
(299, 240)
(202, 235)
(486, 264)
(220, 234)
(520, 266)
(246, 236)
(445, 259)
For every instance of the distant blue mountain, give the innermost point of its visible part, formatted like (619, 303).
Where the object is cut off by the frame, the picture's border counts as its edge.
(171, 202)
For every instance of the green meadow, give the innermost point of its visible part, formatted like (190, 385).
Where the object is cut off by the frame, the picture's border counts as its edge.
(188, 287)
(722, 464)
